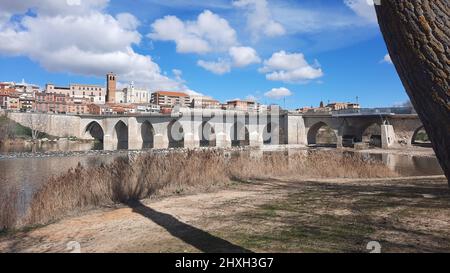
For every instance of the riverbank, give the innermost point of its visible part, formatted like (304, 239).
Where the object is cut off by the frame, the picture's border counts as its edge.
(88, 151)
(265, 215)
(153, 174)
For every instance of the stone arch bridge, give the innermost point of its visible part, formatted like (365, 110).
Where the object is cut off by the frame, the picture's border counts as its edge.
(217, 128)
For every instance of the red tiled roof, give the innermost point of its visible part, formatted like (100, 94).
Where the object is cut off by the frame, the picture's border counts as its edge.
(172, 94)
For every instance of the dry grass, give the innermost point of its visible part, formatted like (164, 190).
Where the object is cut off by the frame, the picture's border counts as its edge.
(155, 174)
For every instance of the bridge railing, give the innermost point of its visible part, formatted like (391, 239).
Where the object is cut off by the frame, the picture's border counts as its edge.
(376, 111)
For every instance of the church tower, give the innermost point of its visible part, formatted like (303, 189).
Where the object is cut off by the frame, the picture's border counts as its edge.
(111, 85)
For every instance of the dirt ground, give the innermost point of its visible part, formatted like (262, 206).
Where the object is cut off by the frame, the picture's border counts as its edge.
(273, 215)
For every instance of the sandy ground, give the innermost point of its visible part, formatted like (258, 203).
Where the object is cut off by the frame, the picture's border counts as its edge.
(410, 151)
(273, 215)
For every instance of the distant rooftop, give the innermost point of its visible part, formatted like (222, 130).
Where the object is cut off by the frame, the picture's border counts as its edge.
(173, 94)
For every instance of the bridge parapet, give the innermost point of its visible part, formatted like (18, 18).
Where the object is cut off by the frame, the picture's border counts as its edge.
(390, 111)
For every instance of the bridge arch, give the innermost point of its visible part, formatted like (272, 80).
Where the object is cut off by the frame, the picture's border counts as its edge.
(94, 130)
(175, 133)
(148, 135)
(239, 135)
(120, 133)
(207, 135)
(372, 135)
(272, 134)
(420, 138)
(322, 134)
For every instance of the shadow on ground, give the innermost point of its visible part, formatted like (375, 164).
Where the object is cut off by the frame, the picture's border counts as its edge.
(319, 216)
(193, 236)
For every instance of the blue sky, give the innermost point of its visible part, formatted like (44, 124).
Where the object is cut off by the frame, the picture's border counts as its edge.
(304, 51)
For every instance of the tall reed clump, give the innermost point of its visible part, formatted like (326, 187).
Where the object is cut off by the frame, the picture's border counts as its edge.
(9, 201)
(152, 174)
(124, 180)
(308, 164)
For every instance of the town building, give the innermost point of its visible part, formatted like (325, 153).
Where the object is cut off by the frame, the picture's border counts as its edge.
(79, 92)
(167, 99)
(242, 105)
(60, 104)
(147, 108)
(10, 101)
(7, 95)
(50, 103)
(26, 103)
(204, 102)
(336, 106)
(27, 88)
(17, 96)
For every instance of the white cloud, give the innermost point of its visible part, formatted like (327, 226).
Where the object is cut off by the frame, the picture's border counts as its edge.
(387, 59)
(290, 68)
(363, 8)
(259, 18)
(127, 21)
(61, 38)
(220, 67)
(252, 98)
(278, 93)
(244, 56)
(240, 57)
(52, 7)
(209, 33)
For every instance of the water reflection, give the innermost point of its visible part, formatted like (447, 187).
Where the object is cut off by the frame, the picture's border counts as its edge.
(52, 146)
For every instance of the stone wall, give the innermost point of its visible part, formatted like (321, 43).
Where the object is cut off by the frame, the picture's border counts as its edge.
(55, 125)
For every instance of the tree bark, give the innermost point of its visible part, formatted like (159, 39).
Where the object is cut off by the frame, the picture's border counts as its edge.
(417, 34)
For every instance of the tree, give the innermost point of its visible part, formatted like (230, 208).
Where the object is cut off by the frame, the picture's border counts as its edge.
(417, 34)
(37, 124)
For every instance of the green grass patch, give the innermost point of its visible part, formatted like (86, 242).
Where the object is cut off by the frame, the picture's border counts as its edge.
(14, 129)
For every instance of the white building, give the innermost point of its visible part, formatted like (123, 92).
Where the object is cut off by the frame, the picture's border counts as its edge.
(132, 94)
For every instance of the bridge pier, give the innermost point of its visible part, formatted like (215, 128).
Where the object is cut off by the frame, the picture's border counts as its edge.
(160, 141)
(296, 131)
(222, 140)
(135, 141)
(387, 136)
(109, 142)
(192, 133)
(256, 139)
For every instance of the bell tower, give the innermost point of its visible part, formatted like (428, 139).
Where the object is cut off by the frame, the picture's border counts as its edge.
(111, 85)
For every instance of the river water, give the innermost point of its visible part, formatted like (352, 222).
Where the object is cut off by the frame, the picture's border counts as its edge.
(26, 171)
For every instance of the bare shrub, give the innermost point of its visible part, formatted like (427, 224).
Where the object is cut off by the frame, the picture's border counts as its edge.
(153, 174)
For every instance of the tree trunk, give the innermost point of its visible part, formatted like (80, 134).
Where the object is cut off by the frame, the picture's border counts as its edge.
(417, 34)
